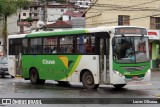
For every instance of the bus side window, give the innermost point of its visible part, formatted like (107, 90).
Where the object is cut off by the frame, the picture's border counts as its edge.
(53, 49)
(70, 49)
(25, 46)
(66, 44)
(88, 47)
(85, 44)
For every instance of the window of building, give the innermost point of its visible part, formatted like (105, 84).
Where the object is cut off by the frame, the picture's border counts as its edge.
(62, 10)
(35, 8)
(24, 14)
(123, 20)
(35, 14)
(155, 22)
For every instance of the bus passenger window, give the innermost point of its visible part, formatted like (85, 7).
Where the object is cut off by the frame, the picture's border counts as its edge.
(88, 47)
(70, 50)
(53, 49)
(66, 44)
(46, 49)
(86, 44)
(62, 50)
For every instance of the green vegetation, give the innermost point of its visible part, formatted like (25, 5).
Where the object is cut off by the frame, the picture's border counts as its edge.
(29, 19)
(8, 8)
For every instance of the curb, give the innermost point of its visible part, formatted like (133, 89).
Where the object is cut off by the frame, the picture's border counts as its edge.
(18, 76)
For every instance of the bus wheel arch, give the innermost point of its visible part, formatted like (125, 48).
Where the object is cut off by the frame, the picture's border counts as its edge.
(87, 79)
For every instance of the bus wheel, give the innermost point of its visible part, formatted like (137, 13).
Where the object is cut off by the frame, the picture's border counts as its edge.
(34, 77)
(119, 85)
(88, 81)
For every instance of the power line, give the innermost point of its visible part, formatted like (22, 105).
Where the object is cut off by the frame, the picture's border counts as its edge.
(118, 7)
(110, 22)
(124, 20)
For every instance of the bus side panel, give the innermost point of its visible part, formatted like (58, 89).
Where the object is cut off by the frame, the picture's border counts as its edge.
(89, 62)
(27, 63)
(50, 67)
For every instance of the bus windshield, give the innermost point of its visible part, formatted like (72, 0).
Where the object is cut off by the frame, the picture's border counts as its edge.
(130, 49)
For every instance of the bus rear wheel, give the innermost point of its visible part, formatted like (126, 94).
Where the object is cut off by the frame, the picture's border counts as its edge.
(88, 81)
(34, 77)
(119, 85)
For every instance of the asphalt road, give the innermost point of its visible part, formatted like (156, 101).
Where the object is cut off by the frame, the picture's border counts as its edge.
(20, 88)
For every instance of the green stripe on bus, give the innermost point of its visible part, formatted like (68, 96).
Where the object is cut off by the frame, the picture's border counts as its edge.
(75, 65)
(62, 33)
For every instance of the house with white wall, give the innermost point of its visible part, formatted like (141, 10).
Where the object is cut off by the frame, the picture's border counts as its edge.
(55, 11)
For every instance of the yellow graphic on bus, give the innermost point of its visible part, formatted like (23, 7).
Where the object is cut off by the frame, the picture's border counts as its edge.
(65, 61)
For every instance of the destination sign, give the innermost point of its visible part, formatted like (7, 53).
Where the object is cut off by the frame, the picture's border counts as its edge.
(130, 30)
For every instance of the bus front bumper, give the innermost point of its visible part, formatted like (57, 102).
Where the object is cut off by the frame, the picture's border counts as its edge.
(117, 78)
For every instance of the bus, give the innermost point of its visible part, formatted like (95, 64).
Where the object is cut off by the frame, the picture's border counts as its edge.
(113, 55)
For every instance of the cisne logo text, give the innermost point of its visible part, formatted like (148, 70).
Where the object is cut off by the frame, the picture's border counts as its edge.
(46, 61)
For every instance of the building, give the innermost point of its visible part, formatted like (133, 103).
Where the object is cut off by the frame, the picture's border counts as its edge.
(11, 29)
(123, 12)
(28, 16)
(126, 12)
(55, 11)
(75, 18)
(83, 3)
(58, 25)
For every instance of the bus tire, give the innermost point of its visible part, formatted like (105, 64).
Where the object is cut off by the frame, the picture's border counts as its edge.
(34, 76)
(119, 85)
(88, 81)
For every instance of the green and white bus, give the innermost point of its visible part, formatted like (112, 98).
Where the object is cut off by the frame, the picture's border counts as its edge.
(93, 56)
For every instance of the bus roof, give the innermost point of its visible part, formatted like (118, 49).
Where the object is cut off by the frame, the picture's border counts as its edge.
(66, 32)
(77, 31)
(69, 32)
(17, 36)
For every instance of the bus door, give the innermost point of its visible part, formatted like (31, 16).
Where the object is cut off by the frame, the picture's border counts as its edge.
(18, 62)
(104, 59)
(14, 59)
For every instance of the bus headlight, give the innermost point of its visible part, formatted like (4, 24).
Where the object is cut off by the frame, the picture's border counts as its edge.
(118, 73)
(148, 72)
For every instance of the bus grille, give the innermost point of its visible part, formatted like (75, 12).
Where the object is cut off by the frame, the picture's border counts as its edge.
(131, 69)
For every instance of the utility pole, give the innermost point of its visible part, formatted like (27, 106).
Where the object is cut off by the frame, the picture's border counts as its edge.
(45, 12)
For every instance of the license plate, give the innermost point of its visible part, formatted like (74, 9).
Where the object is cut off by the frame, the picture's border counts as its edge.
(135, 78)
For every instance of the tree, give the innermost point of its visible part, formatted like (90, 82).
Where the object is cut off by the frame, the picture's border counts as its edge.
(8, 8)
(29, 19)
(60, 18)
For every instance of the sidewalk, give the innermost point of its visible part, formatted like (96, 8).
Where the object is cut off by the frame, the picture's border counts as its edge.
(155, 69)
